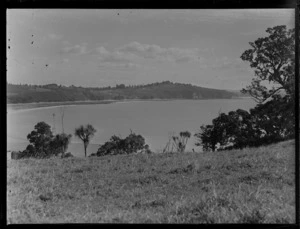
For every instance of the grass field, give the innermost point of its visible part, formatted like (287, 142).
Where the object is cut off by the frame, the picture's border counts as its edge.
(241, 186)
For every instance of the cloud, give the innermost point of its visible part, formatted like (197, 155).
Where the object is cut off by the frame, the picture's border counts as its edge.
(128, 65)
(106, 58)
(156, 52)
(54, 36)
(114, 56)
(75, 49)
(225, 63)
(66, 43)
(134, 53)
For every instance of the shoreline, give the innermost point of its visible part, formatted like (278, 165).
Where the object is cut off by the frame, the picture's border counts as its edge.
(36, 105)
(18, 106)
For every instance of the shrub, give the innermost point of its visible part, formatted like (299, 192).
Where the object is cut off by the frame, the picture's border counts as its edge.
(177, 143)
(16, 155)
(131, 144)
(59, 144)
(134, 143)
(67, 155)
(181, 141)
(30, 151)
(147, 149)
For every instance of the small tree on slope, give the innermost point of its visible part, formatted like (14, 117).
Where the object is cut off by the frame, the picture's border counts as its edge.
(85, 133)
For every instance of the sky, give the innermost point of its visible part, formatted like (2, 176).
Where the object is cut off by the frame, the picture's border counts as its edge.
(97, 48)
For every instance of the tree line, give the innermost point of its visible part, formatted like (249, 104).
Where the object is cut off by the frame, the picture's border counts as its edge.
(44, 144)
(162, 90)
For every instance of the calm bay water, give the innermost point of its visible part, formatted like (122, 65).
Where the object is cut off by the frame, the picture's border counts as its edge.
(154, 120)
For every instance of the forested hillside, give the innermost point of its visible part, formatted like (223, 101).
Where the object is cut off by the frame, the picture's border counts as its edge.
(163, 90)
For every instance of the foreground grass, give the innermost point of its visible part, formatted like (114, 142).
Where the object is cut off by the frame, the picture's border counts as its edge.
(239, 186)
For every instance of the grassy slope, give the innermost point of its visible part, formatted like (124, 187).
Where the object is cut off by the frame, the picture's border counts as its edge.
(240, 186)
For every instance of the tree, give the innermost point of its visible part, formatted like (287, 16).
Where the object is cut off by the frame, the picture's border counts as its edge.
(275, 119)
(133, 143)
(206, 138)
(209, 136)
(273, 58)
(240, 130)
(85, 133)
(43, 144)
(236, 129)
(114, 146)
(40, 138)
(265, 124)
(272, 120)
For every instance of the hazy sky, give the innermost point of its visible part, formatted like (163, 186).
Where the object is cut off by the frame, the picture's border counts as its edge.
(87, 47)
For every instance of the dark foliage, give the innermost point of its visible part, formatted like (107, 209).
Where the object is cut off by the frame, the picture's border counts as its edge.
(273, 58)
(59, 144)
(234, 129)
(43, 144)
(276, 118)
(267, 123)
(40, 139)
(131, 144)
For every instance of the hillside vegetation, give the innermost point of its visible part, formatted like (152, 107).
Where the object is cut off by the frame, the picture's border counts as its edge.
(253, 185)
(163, 90)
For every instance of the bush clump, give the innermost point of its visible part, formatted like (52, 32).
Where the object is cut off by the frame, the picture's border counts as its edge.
(133, 143)
(43, 144)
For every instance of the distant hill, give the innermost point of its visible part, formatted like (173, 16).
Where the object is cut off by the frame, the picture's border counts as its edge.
(163, 90)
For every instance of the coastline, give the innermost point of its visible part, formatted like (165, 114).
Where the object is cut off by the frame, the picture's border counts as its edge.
(37, 105)
(18, 106)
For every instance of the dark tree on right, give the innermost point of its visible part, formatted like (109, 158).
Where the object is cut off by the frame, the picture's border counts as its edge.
(273, 88)
(273, 58)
